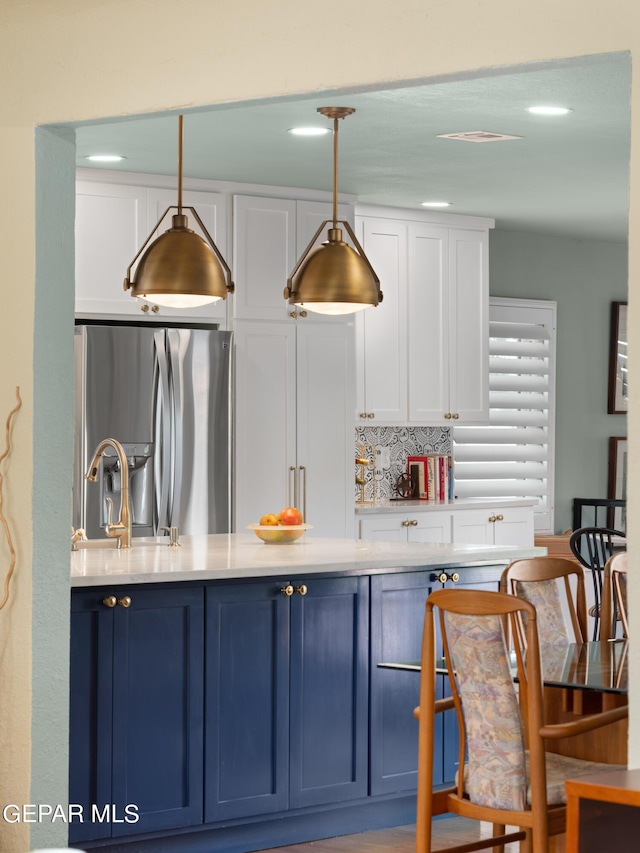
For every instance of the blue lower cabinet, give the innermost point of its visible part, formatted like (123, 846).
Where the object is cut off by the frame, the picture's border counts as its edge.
(397, 617)
(136, 710)
(329, 692)
(286, 696)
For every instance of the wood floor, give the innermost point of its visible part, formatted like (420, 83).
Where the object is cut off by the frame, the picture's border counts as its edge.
(399, 839)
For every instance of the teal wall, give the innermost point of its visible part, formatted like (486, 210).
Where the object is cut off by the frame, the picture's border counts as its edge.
(583, 277)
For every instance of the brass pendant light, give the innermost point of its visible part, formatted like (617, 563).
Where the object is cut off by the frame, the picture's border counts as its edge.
(334, 278)
(180, 269)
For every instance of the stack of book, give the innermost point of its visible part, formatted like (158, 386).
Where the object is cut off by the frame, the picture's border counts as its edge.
(431, 476)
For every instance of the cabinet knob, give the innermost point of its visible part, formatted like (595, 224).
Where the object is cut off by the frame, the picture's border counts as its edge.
(492, 518)
(110, 601)
(302, 589)
(443, 577)
(155, 308)
(363, 414)
(455, 577)
(448, 416)
(414, 522)
(293, 314)
(455, 416)
(499, 517)
(287, 590)
(405, 523)
(125, 601)
(370, 415)
(144, 308)
(303, 313)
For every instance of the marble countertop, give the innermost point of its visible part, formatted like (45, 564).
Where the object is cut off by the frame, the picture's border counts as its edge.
(387, 506)
(236, 556)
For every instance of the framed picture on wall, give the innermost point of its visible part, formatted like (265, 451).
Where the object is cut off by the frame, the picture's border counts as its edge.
(618, 387)
(618, 480)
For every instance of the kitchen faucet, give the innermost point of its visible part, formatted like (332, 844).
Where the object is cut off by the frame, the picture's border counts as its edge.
(121, 529)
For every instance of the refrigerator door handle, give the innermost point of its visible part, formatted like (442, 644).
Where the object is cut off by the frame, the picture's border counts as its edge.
(177, 444)
(163, 433)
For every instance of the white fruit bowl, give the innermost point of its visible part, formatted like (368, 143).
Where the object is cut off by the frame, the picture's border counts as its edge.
(279, 534)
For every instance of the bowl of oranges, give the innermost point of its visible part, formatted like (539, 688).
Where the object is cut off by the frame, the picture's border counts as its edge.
(281, 528)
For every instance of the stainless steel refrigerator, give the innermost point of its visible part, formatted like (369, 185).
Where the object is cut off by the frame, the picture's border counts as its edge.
(165, 394)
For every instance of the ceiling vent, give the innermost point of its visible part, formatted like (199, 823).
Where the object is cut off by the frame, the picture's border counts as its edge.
(478, 136)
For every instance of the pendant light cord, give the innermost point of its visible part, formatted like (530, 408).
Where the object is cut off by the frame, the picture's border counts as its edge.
(335, 172)
(179, 165)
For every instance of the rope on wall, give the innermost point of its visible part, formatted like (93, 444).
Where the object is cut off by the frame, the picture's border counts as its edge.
(3, 520)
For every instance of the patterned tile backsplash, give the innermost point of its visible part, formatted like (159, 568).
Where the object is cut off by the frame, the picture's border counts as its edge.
(399, 443)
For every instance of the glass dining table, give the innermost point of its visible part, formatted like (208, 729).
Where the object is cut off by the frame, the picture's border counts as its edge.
(579, 679)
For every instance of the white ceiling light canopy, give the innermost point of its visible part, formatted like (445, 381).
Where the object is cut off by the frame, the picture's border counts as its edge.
(180, 269)
(334, 278)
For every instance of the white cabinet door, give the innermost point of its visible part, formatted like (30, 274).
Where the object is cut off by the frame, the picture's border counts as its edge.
(469, 326)
(428, 333)
(110, 227)
(514, 526)
(264, 253)
(382, 386)
(325, 401)
(385, 528)
(472, 527)
(212, 208)
(265, 461)
(431, 526)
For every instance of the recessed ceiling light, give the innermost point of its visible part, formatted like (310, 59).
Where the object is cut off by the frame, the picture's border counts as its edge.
(436, 204)
(104, 158)
(309, 131)
(549, 111)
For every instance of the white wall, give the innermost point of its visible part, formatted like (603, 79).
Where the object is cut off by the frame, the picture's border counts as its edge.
(74, 60)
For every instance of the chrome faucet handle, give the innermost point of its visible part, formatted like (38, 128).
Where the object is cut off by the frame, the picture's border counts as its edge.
(173, 536)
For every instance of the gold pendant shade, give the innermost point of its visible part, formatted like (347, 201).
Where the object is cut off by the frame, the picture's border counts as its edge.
(179, 269)
(335, 277)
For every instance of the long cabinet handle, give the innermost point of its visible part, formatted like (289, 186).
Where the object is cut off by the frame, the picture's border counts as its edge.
(292, 498)
(303, 472)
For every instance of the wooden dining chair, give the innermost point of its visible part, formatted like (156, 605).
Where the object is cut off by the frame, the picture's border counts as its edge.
(614, 597)
(592, 547)
(507, 777)
(555, 587)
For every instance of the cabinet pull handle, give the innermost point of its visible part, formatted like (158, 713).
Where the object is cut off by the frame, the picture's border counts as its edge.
(499, 517)
(492, 518)
(302, 589)
(110, 601)
(287, 590)
(125, 601)
(293, 493)
(448, 416)
(414, 522)
(443, 577)
(303, 471)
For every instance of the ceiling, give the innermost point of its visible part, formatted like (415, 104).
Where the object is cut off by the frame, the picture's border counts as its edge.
(566, 176)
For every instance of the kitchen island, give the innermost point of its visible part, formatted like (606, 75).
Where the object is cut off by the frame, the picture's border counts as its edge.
(226, 694)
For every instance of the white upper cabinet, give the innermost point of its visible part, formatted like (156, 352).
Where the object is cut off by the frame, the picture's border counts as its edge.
(380, 332)
(264, 253)
(111, 225)
(113, 220)
(269, 236)
(423, 354)
(211, 207)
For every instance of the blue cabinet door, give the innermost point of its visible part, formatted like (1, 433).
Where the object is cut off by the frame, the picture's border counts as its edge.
(329, 691)
(397, 617)
(247, 700)
(136, 710)
(91, 691)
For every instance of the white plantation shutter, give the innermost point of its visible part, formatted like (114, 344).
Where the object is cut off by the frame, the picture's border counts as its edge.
(513, 456)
